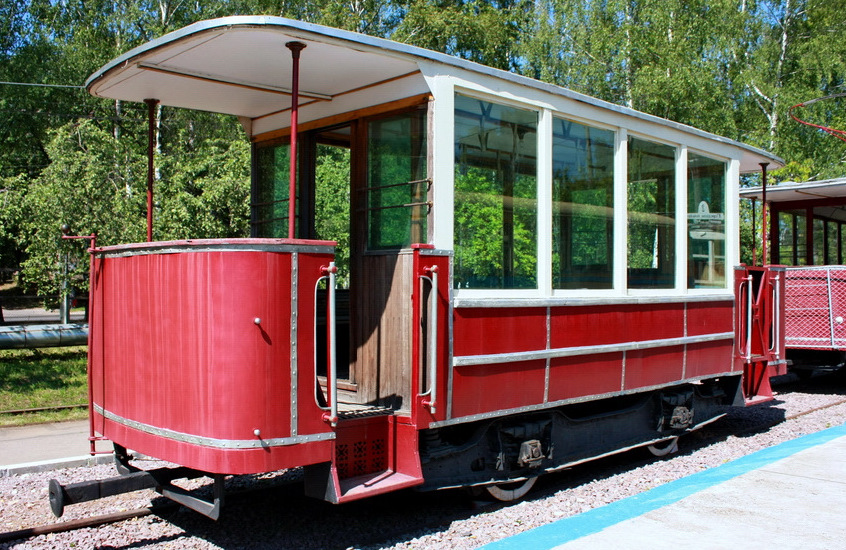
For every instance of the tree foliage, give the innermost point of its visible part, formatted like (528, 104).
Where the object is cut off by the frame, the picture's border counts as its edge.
(733, 67)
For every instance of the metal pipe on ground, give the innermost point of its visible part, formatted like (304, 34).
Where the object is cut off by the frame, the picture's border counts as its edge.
(43, 336)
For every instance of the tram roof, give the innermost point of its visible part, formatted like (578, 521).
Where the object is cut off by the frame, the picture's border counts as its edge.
(240, 66)
(792, 191)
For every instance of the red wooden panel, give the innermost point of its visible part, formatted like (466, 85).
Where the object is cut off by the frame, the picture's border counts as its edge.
(182, 350)
(222, 461)
(709, 317)
(486, 388)
(577, 326)
(481, 331)
(707, 358)
(653, 367)
(571, 377)
(177, 348)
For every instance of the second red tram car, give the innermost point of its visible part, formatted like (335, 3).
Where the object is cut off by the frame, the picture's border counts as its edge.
(523, 277)
(806, 234)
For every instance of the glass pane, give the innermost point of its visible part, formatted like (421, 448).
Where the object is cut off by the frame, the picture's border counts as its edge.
(651, 214)
(786, 238)
(831, 230)
(582, 206)
(801, 242)
(332, 205)
(819, 242)
(270, 200)
(495, 195)
(397, 190)
(841, 231)
(706, 218)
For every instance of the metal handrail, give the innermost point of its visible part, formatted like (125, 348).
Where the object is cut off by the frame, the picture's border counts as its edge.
(332, 368)
(747, 353)
(776, 316)
(432, 392)
(830, 305)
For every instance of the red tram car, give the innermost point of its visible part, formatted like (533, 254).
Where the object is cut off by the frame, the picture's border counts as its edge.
(806, 233)
(533, 277)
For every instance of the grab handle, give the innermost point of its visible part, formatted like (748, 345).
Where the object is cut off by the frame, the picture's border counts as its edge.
(332, 416)
(432, 392)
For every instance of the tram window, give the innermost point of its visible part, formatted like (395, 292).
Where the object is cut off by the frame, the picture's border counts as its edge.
(582, 207)
(495, 195)
(270, 202)
(819, 242)
(397, 188)
(706, 198)
(786, 238)
(801, 240)
(651, 214)
(332, 204)
(832, 229)
(841, 231)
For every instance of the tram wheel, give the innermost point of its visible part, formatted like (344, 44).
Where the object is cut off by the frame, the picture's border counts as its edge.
(665, 447)
(512, 490)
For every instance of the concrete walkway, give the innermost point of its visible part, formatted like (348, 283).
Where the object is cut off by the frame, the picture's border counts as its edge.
(791, 496)
(42, 447)
(38, 315)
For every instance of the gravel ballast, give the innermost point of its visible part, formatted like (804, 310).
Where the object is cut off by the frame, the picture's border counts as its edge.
(281, 517)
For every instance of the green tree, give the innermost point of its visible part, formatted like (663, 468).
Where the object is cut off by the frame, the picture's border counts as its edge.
(801, 58)
(90, 185)
(488, 32)
(675, 59)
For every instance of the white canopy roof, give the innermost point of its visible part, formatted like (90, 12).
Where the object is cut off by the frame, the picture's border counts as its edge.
(241, 66)
(799, 191)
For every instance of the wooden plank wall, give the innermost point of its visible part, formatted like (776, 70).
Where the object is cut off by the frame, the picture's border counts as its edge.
(381, 329)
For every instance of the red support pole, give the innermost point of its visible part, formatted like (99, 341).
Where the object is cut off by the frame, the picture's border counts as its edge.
(764, 231)
(754, 240)
(151, 149)
(296, 48)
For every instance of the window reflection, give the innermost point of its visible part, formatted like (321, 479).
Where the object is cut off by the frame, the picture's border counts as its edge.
(651, 214)
(495, 195)
(582, 207)
(706, 218)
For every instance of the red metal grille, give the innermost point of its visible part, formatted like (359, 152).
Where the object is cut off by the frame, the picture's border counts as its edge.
(361, 457)
(815, 307)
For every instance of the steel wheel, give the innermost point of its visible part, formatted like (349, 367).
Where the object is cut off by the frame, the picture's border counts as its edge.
(665, 447)
(514, 490)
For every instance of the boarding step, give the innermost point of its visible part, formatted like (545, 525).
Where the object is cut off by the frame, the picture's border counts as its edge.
(355, 410)
(368, 485)
(372, 455)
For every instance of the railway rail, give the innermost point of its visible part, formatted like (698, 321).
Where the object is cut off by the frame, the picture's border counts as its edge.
(801, 407)
(44, 409)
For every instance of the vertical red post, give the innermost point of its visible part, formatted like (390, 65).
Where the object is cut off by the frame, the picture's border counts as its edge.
(296, 48)
(754, 240)
(764, 232)
(151, 149)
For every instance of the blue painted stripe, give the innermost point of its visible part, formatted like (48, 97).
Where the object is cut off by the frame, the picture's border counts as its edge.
(566, 530)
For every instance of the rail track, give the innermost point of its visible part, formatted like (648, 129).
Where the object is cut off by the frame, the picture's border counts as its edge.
(457, 510)
(44, 409)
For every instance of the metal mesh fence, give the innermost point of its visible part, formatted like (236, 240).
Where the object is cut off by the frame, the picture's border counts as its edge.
(815, 307)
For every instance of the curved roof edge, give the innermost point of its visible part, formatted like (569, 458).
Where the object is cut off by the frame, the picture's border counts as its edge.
(790, 191)
(413, 51)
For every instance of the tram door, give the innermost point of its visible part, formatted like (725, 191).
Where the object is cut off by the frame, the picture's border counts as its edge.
(367, 190)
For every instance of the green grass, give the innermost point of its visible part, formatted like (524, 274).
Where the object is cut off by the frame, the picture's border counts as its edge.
(47, 377)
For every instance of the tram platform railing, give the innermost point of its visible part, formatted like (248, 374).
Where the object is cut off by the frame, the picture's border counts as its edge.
(815, 307)
(759, 292)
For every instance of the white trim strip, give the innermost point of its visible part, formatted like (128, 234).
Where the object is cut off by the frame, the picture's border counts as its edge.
(497, 358)
(209, 441)
(562, 402)
(182, 248)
